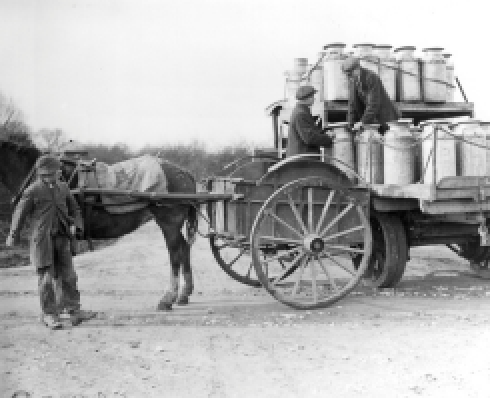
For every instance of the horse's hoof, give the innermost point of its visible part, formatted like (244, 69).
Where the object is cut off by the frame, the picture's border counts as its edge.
(164, 306)
(184, 300)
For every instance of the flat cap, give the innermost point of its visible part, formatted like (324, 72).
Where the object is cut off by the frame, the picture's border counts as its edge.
(350, 64)
(47, 164)
(304, 92)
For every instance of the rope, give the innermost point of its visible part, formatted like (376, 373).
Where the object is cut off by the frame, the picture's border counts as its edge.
(418, 140)
(460, 138)
(307, 75)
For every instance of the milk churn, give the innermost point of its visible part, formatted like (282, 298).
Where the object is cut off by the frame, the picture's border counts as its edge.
(399, 153)
(408, 75)
(471, 156)
(335, 82)
(486, 128)
(343, 143)
(294, 79)
(370, 154)
(449, 78)
(300, 65)
(368, 59)
(445, 151)
(316, 79)
(434, 75)
(387, 69)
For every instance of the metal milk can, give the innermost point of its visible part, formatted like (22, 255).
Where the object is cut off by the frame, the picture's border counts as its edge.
(434, 75)
(408, 75)
(387, 69)
(399, 153)
(335, 82)
(445, 164)
(370, 154)
(471, 154)
(368, 59)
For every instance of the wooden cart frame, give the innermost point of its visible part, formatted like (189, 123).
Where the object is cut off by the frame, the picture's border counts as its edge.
(314, 228)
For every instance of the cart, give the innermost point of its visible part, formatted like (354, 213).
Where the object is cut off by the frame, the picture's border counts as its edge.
(309, 229)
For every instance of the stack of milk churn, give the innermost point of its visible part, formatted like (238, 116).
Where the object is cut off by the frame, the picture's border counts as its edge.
(404, 155)
(406, 76)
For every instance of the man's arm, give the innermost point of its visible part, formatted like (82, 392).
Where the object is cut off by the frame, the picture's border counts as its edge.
(310, 133)
(373, 101)
(352, 116)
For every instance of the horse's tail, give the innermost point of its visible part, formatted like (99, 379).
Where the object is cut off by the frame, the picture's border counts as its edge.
(191, 225)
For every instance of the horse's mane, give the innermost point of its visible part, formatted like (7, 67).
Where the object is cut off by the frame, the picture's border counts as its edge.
(27, 148)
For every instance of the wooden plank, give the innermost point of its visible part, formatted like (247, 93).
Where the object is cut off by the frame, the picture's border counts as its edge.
(423, 191)
(414, 191)
(453, 206)
(463, 182)
(422, 107)
(195, 197)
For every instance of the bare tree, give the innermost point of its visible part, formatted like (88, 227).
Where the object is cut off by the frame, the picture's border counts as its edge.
(12, 123)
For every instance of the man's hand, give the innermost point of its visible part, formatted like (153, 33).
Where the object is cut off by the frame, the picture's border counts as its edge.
(10, 242)
(358, 126)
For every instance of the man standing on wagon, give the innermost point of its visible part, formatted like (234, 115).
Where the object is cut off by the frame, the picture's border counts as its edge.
(54, 215)
(305, 136)
(369, 102)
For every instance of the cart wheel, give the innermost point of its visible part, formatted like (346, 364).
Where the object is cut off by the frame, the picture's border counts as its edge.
(401, 236)
(478, 256)
(234, 259)
(315, 240)
(390, 252)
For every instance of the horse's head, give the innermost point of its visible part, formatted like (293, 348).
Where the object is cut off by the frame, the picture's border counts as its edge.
(16, 162)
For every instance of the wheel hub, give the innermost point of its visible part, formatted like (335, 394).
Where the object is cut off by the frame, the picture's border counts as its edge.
(314, 244)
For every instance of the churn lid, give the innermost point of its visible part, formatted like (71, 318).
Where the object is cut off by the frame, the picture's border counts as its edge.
(433, 49)
(340, 45)
(405, 48)
(363, 45)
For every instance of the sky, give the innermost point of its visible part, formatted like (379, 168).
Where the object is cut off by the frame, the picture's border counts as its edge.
(144, 72)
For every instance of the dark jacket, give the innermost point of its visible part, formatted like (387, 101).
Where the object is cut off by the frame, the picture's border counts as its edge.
(304, 135)
(369, 102)
(52, 211)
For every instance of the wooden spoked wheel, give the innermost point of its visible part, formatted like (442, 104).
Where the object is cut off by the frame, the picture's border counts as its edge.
(234, 258)
(478, 256)
(303, 240)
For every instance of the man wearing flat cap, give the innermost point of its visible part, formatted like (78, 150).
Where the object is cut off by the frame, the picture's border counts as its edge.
(305, 136)
(369, 102)
(54, 216)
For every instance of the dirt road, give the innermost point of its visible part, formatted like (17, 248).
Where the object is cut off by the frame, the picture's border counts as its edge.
(429, 338)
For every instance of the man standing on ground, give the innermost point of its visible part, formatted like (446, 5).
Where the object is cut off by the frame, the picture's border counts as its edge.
(305, 136)
(369, 102)
(54, 215)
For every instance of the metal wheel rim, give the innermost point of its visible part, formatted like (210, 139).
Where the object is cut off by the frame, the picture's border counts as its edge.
(247, 277)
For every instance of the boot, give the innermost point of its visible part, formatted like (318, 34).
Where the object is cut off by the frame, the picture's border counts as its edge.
(51, 321)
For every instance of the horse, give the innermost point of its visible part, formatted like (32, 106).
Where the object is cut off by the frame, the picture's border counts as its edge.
(17, 161)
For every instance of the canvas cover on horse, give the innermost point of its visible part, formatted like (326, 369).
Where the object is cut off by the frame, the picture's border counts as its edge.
(141, 174)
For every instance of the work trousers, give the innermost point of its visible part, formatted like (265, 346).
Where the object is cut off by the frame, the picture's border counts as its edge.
(58, 289)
